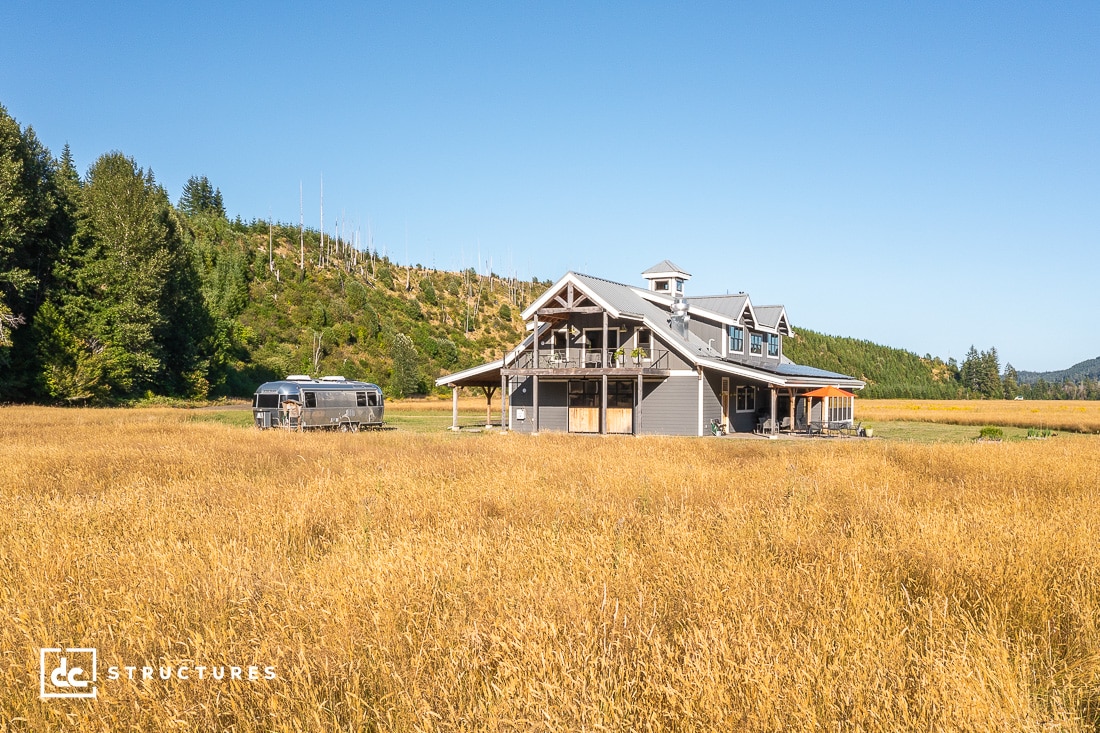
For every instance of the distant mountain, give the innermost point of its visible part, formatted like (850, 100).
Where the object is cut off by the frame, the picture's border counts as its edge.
(1088, 369)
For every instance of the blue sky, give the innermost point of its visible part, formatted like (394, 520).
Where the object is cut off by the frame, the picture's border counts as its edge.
(924, 175)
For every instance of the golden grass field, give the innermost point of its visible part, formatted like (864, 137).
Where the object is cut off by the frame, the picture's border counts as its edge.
(433, 581)
(1071, 415)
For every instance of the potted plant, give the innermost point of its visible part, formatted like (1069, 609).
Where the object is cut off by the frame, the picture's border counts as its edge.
(618, 357)
(638, 354)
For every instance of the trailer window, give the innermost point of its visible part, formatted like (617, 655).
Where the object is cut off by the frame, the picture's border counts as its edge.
(372, 399)
(267, 400)
(311, 399)
(360, 399)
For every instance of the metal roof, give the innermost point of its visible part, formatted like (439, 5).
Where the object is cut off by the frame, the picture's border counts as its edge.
(663, 267)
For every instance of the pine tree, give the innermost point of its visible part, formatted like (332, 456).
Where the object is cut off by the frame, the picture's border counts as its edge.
(130, 306)
(406, 377)
(199, 197)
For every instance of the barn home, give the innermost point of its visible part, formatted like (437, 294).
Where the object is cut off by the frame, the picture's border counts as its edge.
(604, 357)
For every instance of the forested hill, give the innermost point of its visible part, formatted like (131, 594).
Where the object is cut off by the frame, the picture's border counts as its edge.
(888, 372)
(1085, 370)
(109, 292)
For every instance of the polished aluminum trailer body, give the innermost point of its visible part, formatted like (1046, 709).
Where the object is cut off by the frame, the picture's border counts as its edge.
(334, 403)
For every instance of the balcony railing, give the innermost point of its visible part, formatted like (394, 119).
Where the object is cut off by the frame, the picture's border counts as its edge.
(591, 359)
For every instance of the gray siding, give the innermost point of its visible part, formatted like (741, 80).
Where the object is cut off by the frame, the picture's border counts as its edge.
(553, 412)
(708, 332)
(671, 407)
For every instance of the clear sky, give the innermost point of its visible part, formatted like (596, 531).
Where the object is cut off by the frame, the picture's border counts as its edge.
(924, 175)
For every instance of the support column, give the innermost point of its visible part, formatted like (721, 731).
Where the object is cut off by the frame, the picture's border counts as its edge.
(700, 401)
(638, 408)
(790, 391)
(825, 411)
(454, 407)
(775, 400)
(503, 403)
(535, 403)
(535, 382)
(603, 403)
(605, 360)
(489, 405)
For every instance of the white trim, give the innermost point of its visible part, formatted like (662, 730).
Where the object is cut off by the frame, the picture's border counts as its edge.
(554, 290)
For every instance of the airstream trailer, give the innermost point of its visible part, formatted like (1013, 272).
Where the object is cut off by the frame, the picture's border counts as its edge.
(300, 402)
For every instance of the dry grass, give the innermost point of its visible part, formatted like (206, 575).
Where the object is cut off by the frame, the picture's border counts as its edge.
(1078, 416)
(499, 582)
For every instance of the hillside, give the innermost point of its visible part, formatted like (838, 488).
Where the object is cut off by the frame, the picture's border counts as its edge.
(349, 312)
(1085, 370)
(889, 372)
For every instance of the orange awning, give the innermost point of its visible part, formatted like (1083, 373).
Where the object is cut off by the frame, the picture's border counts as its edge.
(829, 391)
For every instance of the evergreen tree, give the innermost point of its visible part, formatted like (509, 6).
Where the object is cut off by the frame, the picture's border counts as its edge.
(199, 197)
(130, 308)
(406, 377)
(1011, 382)
(34, 224)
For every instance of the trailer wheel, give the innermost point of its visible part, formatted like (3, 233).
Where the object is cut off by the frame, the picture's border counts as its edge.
(344, 427)
(355, 427)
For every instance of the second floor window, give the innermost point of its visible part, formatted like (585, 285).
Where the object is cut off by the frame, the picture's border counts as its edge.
(737, 340)
(773, 344)
(756, 343)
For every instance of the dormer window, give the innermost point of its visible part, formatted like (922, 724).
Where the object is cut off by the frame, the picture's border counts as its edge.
(773, 344)
(756, 344)
(737, 340)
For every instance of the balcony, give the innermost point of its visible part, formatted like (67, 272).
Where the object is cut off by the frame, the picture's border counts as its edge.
(589, 363)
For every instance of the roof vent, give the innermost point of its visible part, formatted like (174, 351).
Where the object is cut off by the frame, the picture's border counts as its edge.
(299, 378)
(680, 317)
(334, 379)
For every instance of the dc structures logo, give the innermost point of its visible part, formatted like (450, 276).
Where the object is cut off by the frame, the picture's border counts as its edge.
(66, 672)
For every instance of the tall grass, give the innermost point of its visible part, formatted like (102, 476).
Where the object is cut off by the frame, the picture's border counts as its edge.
(1081, 416)
(497, 582)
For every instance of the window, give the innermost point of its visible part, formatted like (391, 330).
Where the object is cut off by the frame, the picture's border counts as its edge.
(584, 394)
(620, 394)
(310, 398)
(756, 343)
(773, 344)
(661, 285)
(737, 340)
(372, 399)
(746, 399)
(360, 399)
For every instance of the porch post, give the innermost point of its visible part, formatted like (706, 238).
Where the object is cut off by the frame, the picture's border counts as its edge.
(700, 401)
(603, 404)
(535, 382)
(503, 403)
(790, 391)
(454, 407)
(605, 361)
(775, 399)
(489, 405)
(638, 409)
(825, 411)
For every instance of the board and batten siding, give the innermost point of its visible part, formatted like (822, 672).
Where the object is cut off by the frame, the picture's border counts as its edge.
(671, 407)
(553, 410)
